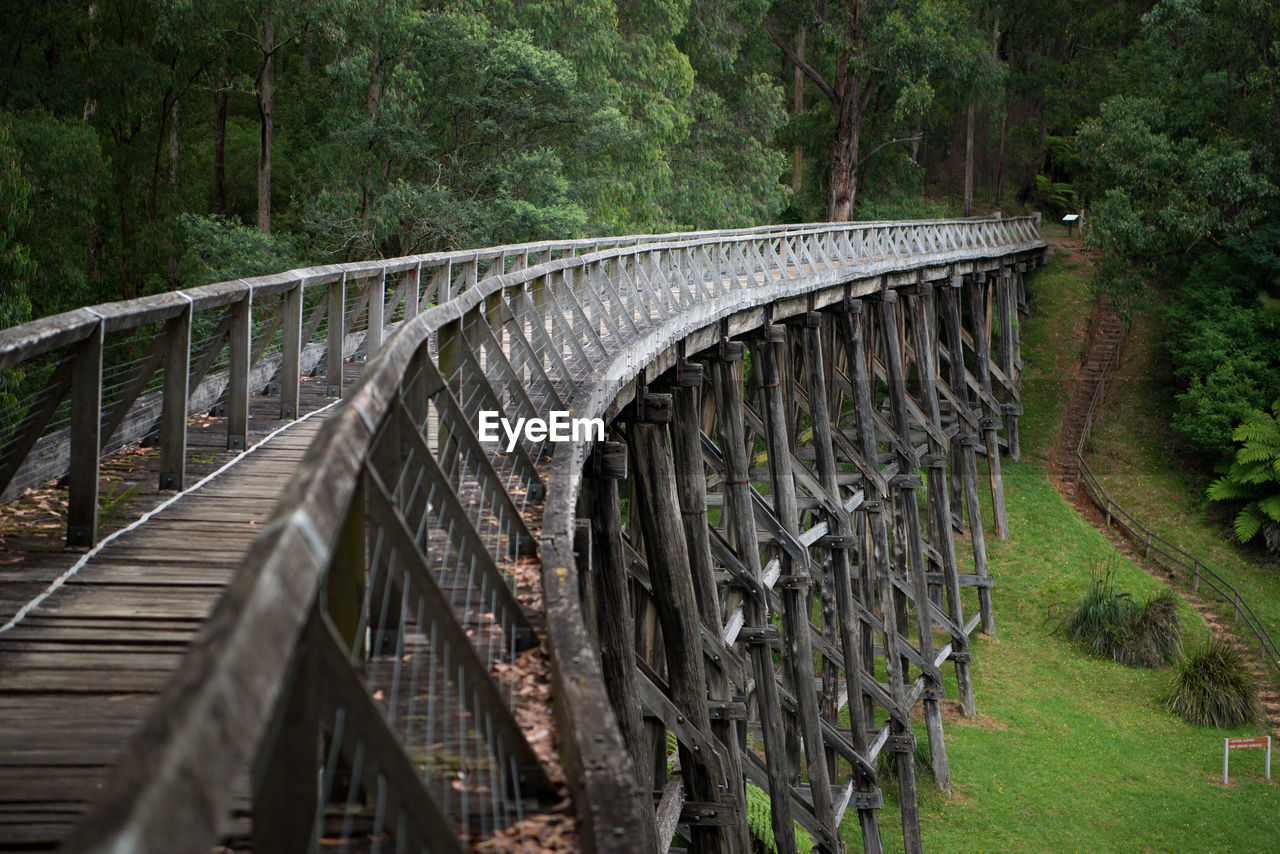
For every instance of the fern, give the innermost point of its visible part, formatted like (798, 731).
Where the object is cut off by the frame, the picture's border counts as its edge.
(760, 824)
(1254, 477)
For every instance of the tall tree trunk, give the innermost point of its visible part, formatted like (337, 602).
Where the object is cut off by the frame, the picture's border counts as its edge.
(1004, 130)
(968, 161)
(266, 109)
(797, 107)
(844, 160)
(220, 137)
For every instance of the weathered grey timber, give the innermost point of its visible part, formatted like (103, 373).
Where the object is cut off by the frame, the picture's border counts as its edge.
(400, 527)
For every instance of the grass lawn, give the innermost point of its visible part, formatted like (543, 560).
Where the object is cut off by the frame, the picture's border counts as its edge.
(1070, 753)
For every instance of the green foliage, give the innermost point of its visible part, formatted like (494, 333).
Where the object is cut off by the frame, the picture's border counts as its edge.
(1253, 480)
(760, 824)
(218, 249)
(1214, 687)
(16, 264)
(1113, 624)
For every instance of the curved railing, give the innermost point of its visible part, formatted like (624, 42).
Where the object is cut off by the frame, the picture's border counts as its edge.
(1195, 571)
(378, 628)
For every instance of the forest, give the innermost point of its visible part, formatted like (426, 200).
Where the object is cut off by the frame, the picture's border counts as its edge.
(147, 145)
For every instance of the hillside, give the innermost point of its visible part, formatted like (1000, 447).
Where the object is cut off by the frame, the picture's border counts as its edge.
(1069, 752)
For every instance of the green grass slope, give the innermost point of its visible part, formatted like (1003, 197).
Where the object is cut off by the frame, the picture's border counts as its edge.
(1071, 753)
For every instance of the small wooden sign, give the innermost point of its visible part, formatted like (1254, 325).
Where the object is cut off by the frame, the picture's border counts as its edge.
(1256, 741)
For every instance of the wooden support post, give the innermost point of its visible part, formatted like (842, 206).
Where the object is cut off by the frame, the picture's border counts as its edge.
(797, 598)
(691, 485)
(741, 518)
(238, 373)
(86, 441)
(173, 406)
(980, 310)
(291, 355)
(337, 329)
(874, 509)
(286, 784)
(615, 628)
(962, 446)
(914, 543)
(387, 458)
(377, 312)
(926, 343)
(413, 292)
(868, 817)
(344, 589)
(668, 558)
(1008, 341)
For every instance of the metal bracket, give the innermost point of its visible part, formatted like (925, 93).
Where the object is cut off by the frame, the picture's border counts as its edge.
(963, 439)
(988, 423)
(793, 582)
(933, 692)
(960, 657)
(1011, 409)
(872, 800)
(905, 743)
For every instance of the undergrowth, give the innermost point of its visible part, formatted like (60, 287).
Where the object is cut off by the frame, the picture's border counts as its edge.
(1214, 687)
(1113, 624)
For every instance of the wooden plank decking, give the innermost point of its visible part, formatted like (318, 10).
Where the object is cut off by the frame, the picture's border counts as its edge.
(78, 673)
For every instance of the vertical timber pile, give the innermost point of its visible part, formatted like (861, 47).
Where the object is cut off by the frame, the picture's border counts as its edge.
(782, 589)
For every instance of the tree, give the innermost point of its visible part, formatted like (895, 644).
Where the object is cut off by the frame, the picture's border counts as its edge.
(866, 50)
(1254, 478)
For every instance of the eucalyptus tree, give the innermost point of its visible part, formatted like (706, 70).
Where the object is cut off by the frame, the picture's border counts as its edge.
(869, 54)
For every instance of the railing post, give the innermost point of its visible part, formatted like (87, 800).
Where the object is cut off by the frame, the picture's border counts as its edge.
(86, 440)
(238, 374)
(1195, 576)
(173, 407)
(291, 357)
(377, 310)
(337, 325)
(285, 782)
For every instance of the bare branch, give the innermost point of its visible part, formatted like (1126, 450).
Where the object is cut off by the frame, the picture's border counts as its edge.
(867, 156)
(790, 52)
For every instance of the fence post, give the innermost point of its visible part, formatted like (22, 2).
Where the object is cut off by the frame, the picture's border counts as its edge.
(337, 326)
(1195, 576)
(291, 355)
(238, 373)
(86, 440)
(173, 405)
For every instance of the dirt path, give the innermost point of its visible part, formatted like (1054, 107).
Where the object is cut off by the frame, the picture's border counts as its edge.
(1106, 335)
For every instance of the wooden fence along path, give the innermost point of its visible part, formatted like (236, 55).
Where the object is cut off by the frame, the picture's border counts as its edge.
(740, 570)
(1191, 568)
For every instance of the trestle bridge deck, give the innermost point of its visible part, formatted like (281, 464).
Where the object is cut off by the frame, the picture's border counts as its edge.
(756, 571)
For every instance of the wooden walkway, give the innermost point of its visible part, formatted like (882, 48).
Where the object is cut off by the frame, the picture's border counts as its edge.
(79, 672)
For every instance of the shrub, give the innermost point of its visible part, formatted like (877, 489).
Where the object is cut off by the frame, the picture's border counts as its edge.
(1213, 687)
(1112, 624)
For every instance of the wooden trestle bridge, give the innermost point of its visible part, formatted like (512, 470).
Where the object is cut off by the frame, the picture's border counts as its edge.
(750, 588)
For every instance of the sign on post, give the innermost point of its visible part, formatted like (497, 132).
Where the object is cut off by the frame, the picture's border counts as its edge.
(1230, 744)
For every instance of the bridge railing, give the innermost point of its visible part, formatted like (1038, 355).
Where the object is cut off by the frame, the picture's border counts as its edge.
(97, 378)
(386, 609)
